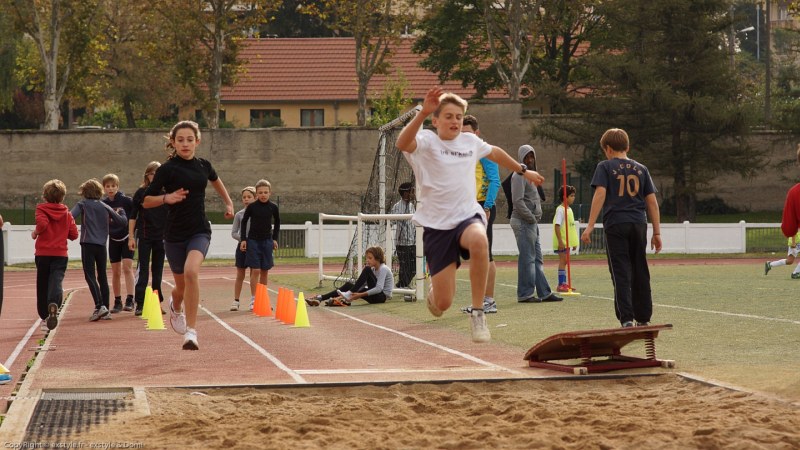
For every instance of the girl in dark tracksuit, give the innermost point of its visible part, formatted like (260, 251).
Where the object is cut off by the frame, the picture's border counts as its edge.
(95, 219)
(146, 230)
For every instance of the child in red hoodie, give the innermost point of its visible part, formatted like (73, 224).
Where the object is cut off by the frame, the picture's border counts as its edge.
(54, 225)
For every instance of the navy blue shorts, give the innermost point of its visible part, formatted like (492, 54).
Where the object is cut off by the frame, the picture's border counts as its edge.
(259, 254)
(240, 258)
(178, 251)
(441, 247)
(118, 250)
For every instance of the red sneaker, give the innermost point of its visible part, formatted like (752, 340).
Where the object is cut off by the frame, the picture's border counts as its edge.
(562, 288)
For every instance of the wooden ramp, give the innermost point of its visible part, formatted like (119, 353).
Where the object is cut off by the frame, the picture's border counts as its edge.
(605, 345)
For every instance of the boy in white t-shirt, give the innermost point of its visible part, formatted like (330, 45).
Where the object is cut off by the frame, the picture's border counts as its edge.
(454, 223)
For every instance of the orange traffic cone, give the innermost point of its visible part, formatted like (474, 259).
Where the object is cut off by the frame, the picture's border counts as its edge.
(291, 309)
(281, 303)
(258, 306)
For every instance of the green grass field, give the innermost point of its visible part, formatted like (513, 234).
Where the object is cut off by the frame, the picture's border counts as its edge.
(731, 323)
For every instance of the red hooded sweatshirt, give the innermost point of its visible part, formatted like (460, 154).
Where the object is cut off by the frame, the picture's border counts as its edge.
(791, 212)
(54, 225)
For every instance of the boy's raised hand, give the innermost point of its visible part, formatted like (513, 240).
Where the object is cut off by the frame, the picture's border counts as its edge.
(431, 101)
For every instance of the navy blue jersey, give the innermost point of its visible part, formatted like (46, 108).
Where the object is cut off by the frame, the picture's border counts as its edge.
(627, 183)
(265, 221)
(117, 232)
(186, 218)
(149, 221)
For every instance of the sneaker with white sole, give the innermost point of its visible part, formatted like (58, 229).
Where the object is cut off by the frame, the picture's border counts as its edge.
(480, 331)
(235, 305)
(190, 339)
(767, 267)
(489, 307)
(252, 303)
(346, 294)
(99, 313)
(177, 319)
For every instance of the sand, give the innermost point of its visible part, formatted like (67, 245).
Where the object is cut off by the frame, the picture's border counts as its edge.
(667, 411)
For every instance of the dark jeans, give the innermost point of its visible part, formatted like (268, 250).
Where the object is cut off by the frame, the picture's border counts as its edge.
(94, 259)
(365, 282)
(407, 255)
(148, 248)
(626, 249)
(49, 276)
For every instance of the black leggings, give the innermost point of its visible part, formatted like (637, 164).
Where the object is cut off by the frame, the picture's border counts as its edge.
(148, 247)
(49, 277)
(94, 259)
(365, 282)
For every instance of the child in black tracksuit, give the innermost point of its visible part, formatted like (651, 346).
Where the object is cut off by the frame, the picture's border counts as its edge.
(146, 230)
(626, 194)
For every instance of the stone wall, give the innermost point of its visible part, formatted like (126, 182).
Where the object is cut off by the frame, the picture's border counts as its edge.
(312, 170)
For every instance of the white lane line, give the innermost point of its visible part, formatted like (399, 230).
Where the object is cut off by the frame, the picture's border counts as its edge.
(294, 374)
(432, 344)
(379, 371)
(685, 308)
(21, 344)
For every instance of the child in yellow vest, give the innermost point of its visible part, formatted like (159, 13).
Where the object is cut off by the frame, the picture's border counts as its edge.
(561, 223)
(794, 250)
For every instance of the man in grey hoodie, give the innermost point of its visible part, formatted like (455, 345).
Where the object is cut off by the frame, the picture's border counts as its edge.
(527, 212)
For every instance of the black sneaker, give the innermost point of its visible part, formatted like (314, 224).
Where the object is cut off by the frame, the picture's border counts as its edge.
(117, 306)
(137, 312)
(627, 324)
(128, 304)
(642, 324)
(52, 319)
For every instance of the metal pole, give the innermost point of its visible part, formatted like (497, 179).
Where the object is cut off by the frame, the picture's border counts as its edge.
(758, 32)
(768, 60)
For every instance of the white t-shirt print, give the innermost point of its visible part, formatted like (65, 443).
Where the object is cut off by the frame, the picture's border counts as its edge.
(445, 173)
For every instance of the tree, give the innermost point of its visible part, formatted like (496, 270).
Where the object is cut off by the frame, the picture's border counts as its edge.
(374, 25)
(663, 74)
(8, 58)
(205, 42)
(62, 32)
(297, 19)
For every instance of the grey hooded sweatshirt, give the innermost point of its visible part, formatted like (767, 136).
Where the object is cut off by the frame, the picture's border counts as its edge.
(96, 218)
(525, 196)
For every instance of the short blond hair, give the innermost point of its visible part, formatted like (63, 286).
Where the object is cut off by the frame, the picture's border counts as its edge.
(250, 189)
(91, 189)
(54, 191)
(111, 178)
(448, 98)
(262, 182)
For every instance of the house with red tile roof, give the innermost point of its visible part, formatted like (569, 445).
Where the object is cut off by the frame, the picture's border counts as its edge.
(312, 82)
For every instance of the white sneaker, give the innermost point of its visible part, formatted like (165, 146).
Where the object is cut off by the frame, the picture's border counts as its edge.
(346, 294)
(480, 332)
(190, 339)
(235, 305)
(252, 303)
(177, 319)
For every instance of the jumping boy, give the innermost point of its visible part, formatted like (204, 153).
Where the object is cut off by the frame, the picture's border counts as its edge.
(54, 225)
(625, 191)
(119, 254)
(454, 223)
(260, 238)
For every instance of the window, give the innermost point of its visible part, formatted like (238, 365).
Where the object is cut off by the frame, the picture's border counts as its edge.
(265, 118)
(312, 117)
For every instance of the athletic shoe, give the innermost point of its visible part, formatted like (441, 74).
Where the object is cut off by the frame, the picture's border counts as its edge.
(338, 302)
(235, 305)
(531, 299)
(627, 324)
(795, 276)
(252, 303)
(99, 313)
(553, 298)
(480, 332)
(562, 288)
(490, 307)
(5, 378)
(767, 267)
(642, 324)
(128, 304)
(313, 301)
(431, 307)
(138, 311)
(108, 317)
(52, 319)
(117, 306)
(177, 319)
(346, 294)
(190, 339)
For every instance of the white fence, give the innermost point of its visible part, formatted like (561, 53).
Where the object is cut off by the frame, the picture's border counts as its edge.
(682, 238)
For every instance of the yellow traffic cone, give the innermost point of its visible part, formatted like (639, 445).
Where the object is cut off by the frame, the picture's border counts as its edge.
(156, 320)
(148, 298)
(301, 317)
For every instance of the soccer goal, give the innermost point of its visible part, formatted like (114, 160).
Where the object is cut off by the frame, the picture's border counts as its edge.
(375, 224)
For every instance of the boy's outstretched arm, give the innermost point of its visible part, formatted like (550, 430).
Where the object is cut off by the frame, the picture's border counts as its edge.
(407, 140)
(502, 158)
(597, 203)
(655, 217)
